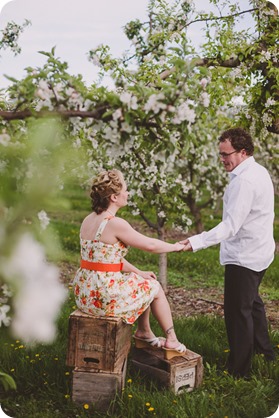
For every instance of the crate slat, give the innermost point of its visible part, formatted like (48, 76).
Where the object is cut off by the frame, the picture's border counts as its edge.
(97, 387)
(180, 374)
(100, 343)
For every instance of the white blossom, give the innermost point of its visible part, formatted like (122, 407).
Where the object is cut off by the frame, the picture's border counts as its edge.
(126, 127)
(125, 97)
(270, 102)
(43, 91)
(77, 143)
(95, 60)
(204, 82)
(237, 101)
(43, 218)
(128, 99)
(205, 99)
(40, 294)
(6, 320)
(155, 103)
(266, 55)
(6, 291)
(162, 214)
(135, 212)
(117, 114)
(4, 139)
(184, 112)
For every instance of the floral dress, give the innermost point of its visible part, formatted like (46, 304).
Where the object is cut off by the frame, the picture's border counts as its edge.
(124, 295)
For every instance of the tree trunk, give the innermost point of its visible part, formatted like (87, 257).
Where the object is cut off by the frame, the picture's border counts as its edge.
(196, 212)
(163, 262)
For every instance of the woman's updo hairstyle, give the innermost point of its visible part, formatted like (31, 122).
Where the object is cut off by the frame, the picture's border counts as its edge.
(106, 184)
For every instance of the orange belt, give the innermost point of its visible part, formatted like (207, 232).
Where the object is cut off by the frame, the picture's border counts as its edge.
(89, 265)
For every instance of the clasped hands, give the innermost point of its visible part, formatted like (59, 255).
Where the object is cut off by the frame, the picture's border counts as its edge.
(186, 245)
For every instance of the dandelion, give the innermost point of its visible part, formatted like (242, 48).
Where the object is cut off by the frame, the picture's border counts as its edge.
(67, 373)
(67, 396)
(86, 406)
(226, 350)
(147, 404)
(129, 381)
(130, 396)
(151, 409)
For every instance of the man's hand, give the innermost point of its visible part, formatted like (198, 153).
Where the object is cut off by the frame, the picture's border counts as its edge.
(187, 245)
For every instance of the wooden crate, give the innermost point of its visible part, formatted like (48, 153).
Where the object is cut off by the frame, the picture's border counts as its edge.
(97, 387)
(100, 343)
(180, 374)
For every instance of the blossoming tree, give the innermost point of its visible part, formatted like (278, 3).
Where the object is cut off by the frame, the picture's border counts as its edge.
(159, 126)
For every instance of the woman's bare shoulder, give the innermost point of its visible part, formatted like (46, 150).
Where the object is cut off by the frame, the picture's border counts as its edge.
(119, 221)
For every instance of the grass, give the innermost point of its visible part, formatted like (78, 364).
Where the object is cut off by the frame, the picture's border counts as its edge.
(44, 381)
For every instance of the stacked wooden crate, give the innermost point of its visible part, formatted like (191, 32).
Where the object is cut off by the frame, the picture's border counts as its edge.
(98, 348)
(180, 374)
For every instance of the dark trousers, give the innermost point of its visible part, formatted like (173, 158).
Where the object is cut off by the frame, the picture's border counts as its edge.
(245, 319)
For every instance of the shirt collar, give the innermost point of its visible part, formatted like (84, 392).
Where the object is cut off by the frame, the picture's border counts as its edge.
(241, 167)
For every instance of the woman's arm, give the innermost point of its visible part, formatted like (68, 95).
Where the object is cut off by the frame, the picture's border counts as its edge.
(125, 233)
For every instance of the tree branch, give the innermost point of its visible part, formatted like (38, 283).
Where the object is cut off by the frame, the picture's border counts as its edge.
(65, 114)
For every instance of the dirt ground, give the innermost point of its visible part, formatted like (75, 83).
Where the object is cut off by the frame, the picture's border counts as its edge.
(209, 301)
(191, 302)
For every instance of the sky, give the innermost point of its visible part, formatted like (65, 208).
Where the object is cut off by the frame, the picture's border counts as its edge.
(73, 27)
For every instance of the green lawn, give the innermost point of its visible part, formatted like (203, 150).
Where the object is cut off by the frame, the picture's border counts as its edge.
(44, 381)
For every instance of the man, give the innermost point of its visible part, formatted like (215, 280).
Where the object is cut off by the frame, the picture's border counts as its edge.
(247, 249)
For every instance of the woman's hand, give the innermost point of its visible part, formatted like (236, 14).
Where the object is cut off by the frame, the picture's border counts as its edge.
(148, 275)
(187, 245)
(178, 246)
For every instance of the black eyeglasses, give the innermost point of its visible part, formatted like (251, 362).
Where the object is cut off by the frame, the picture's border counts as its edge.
(226, 155)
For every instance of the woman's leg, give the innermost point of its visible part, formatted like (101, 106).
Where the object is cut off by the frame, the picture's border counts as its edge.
(143, 325)
(161, 310)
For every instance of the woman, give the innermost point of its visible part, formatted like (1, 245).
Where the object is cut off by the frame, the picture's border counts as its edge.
(107, 284)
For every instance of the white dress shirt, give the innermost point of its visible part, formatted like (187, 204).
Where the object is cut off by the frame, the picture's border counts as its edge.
(246, 230)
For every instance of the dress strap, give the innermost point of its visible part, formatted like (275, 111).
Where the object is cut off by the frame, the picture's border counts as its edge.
(101, 228)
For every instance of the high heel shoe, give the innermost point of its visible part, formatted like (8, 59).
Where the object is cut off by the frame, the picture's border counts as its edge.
(180, 350)
(155, 342)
